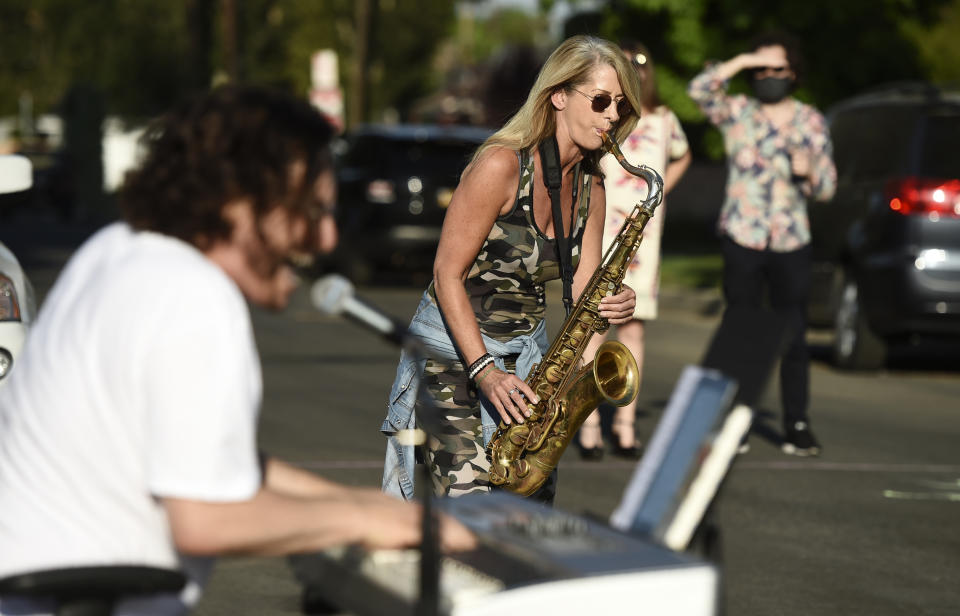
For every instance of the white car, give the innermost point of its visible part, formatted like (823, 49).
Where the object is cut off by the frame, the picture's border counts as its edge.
(17, 301)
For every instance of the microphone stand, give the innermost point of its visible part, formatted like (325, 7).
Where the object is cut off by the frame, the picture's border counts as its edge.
(428, 603)
(334, 295)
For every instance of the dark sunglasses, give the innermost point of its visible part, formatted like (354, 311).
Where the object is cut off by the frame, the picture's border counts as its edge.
(600, 102)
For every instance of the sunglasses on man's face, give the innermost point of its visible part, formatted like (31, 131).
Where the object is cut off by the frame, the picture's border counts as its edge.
(600, 102)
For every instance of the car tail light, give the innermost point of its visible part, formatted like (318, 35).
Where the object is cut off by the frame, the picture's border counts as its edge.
(381, 191)
(9, 307)
(934, 197)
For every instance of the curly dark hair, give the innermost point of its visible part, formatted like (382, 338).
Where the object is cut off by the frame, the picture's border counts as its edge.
(790, 44)
(235, 142)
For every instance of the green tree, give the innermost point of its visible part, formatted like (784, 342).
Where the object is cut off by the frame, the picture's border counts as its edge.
(145, 54)
(134, 52)
(281, 36)
(406, 37)
(850, 46)
(939, 45)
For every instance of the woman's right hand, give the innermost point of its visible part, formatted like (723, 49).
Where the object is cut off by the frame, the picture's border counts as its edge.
(762, 58)
(508, 393)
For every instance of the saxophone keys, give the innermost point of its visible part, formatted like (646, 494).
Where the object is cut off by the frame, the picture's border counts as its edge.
(518, 437)
(498, 474)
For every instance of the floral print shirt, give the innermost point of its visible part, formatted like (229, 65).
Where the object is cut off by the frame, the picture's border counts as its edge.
(765, 205)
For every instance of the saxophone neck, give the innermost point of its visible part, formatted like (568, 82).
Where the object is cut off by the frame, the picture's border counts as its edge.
(652, 178)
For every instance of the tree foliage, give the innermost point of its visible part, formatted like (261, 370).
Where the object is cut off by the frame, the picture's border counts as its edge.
(402, 38)
(145, 54)
(133, 50)
(939, 45)
(850, 46)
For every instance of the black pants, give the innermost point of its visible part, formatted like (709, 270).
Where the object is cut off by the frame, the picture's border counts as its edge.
(786, 278)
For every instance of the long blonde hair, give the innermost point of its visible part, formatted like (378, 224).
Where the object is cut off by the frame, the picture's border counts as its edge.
(569, 66)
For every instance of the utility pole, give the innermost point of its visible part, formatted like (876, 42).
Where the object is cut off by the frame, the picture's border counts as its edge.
(232, 37)
(358, 68)
(199, 24)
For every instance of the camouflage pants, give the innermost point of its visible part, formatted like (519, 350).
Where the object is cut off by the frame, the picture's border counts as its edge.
(454, 450)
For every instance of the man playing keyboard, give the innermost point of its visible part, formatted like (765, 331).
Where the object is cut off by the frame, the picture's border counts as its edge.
(128, 429)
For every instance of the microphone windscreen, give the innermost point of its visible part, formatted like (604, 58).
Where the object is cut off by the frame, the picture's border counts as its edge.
(331, 293)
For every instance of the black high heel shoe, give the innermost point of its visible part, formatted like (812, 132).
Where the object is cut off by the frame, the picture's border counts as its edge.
(591, 454)
(633, 452)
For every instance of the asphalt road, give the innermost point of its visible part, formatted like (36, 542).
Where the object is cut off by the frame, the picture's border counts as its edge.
(870, 527)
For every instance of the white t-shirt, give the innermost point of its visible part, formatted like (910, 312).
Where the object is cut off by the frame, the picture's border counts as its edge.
(140, 379)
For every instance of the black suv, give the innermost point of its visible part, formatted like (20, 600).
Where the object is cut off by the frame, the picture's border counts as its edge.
(887, 246)
(395, 182)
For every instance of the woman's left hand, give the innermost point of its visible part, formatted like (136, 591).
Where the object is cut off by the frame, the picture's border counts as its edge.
(618, 309)
(800, 163)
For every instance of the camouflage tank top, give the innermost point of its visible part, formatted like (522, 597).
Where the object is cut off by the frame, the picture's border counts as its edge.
(506, 283)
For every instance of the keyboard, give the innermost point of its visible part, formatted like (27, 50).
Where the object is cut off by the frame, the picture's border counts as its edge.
(531, 558)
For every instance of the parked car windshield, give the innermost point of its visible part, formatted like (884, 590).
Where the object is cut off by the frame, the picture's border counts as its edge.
(940, 156)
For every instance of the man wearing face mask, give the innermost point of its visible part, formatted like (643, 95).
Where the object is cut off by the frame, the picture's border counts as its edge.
(779, 156)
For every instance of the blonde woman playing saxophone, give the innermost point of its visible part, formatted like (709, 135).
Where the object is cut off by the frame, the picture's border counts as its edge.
(482, 317)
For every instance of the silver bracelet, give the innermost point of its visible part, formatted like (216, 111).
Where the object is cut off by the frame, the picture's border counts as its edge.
(479, 365)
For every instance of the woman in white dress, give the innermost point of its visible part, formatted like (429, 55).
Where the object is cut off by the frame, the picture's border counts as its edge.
(659, 142)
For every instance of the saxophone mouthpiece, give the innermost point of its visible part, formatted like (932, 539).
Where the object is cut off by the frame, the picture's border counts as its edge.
(608, 143)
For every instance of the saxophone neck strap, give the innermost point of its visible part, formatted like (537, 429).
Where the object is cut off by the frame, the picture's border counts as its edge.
(553, 180)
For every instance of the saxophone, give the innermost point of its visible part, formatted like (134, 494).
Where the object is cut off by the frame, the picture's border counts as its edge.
(522, 456)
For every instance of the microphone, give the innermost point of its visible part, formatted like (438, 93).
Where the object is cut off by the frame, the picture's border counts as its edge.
(334, 295)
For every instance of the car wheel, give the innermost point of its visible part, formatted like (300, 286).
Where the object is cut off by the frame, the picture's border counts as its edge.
(855, 346)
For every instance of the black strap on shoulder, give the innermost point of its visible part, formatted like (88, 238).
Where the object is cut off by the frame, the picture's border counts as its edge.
(553, 180)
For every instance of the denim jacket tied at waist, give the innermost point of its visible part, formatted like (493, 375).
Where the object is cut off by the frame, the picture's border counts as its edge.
(429, 328)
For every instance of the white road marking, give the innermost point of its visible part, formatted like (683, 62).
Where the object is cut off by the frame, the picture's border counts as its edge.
(786, 465)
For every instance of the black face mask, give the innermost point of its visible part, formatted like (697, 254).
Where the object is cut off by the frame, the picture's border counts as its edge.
(772, 89)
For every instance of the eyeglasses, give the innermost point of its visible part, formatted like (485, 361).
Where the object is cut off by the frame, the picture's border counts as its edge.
(600, 102)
